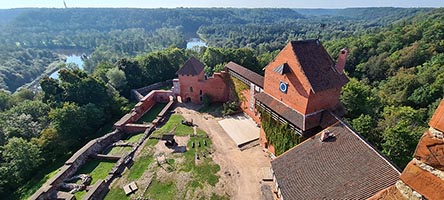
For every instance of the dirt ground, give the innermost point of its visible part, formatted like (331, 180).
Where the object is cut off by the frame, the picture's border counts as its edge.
(240, 174)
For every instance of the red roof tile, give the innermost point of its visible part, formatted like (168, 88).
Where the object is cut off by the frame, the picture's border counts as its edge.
(344, 167)
(191, 67)
(317, 65)
(246, 73)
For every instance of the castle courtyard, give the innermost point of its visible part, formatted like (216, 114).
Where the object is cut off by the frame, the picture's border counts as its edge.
(241, 170)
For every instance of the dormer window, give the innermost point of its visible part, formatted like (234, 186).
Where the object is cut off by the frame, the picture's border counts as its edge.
(282, 69)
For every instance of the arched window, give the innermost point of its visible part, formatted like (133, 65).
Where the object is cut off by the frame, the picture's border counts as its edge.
(191, 89)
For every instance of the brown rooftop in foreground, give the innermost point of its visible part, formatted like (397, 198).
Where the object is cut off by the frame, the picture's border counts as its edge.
(342, 167)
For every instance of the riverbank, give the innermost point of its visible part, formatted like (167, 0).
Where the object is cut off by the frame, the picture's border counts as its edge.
(53, 67)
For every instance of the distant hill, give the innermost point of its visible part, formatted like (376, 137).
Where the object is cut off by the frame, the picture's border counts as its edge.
(6, 16)
(112, 33)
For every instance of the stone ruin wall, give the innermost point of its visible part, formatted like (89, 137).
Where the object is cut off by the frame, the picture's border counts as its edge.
(139, 93)
(48, 190)
(96, 146)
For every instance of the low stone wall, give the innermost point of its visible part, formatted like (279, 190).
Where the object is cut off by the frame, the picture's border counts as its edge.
(93, 147)
(139, 93)
(96, 147)
(145, 104)
(135, 128)
(99, 190)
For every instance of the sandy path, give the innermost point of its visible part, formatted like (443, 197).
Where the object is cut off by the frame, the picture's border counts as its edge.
(240, 170)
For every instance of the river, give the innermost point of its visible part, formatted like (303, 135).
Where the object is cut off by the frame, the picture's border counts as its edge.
(76, 59)
(195, 42)
(69, 59)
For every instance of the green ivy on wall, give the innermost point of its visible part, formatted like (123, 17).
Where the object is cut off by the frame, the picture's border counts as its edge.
(278, 134)
(236, 87)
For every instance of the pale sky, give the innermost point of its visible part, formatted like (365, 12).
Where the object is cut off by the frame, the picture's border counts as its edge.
(221, 3)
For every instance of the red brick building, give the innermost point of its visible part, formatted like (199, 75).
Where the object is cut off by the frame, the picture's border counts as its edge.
(301, 88)
(192, 84)
(301, 85)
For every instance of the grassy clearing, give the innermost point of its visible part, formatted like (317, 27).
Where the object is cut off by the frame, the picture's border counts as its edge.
(116, 193)
(97, 169)
(141, 164)
(161, 190)
(139, 167)
(175, 120)
(205, 171)
(152, 113)
(136, 171)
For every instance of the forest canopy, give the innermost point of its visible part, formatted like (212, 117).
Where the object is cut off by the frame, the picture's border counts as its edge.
(395, 66)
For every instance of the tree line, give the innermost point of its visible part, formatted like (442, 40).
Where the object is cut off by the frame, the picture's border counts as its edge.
(395, 70)
(397, 78)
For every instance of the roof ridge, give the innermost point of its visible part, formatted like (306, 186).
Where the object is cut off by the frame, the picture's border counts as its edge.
(366, 143)
(300, 65)
(192, 66)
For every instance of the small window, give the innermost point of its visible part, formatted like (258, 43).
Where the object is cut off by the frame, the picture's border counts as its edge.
(191, 89)
(200, 92)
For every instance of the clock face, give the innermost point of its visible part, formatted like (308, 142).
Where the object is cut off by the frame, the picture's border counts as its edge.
(283, 87)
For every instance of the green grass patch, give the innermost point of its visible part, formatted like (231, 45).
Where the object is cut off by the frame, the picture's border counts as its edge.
(171, 161)
(206, 169)
(116, 193)
(152, 113)
(139, 167)
(175, 120)
(134, 138)
(97, 169)
(161, 190)
(151, 142)
(119, 150)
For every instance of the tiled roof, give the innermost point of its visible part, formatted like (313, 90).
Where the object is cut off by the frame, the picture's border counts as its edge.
(344, 167)
(191, 67)
(317, 65)
(246, 73)
(292, 116)
(437, 121)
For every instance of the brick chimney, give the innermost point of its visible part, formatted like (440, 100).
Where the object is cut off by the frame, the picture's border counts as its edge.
(340, 65)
